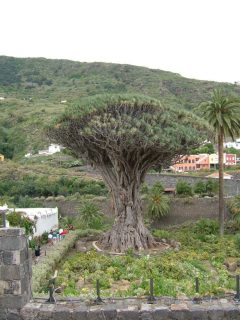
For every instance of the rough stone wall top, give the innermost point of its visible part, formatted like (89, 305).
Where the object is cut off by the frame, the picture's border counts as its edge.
(15, 269)
(133, 310)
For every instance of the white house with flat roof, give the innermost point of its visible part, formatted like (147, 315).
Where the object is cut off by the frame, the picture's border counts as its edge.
(45, 218)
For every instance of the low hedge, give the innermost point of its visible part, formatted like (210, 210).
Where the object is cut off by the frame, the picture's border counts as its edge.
(42, 270)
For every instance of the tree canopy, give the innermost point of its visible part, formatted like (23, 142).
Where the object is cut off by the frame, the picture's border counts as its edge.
(135, 129)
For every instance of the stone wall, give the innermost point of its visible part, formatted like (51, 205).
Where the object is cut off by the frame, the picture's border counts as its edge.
(189, 209)
(181, 209)
(232, 186)
(133, 310)
(15, 270)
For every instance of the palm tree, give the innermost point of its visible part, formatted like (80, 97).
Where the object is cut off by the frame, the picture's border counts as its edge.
(223, 115)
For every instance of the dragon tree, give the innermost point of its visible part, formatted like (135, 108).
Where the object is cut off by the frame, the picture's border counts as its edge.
(123, 137)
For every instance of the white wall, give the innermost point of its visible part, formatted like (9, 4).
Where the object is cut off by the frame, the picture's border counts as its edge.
(53, 148)
(46, 218)
(234, 144)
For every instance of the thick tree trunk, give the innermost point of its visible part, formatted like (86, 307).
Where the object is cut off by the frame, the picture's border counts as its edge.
(128, 231)
(221, 183)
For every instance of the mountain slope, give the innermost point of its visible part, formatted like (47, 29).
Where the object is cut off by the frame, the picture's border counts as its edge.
(34, 88)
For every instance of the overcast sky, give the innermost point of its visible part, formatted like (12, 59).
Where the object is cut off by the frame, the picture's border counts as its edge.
(197, 38)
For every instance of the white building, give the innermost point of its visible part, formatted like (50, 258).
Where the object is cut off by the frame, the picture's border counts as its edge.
(45, 218)
(53, 148)
(233, 144)
(228, 159)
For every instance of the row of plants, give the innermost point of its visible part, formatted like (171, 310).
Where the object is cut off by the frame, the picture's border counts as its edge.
(201, 188)
(33, 186)
(202, 254)
(158, 204)
(42, 271)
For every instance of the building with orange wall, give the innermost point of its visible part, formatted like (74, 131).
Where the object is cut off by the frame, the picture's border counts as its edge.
(192, 162)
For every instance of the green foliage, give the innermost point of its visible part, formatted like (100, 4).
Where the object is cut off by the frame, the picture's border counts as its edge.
(173, 271)
(183, 188)
(232, 150)
(200, 187)
(9, 71)
(131, 123)
(158, 203)
(45, 268)
(206, 148)
(25, 202)
(17, 219)
(42, 83)
(206, 229)
(144, 188)
(212, 187)
(157, 188)
(237, 241)
(37, 186)
(44, 238)
(208, 188)
(32, 243)
(90, 216)
(66, 222)
(162, 234)
(223, 114)
(234, 208)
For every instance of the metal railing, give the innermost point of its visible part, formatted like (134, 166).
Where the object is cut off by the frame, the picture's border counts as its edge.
(151, 298)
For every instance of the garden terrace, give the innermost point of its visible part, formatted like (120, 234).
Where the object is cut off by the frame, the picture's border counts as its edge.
(202, 254)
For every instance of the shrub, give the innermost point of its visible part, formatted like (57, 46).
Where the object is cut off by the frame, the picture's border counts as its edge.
(144, 188)
(34, 186)
(234, 208)
(90, 216)
(162, 234)
(200, 187)
(25, 202)
(66, 222)
(17, 219)
(205, 229)
(32, 243)
(157, 188)
(211, 187)
(237, 241)
(183, 188)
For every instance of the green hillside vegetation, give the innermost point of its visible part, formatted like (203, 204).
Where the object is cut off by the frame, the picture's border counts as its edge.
(19, 183)
(34, 88)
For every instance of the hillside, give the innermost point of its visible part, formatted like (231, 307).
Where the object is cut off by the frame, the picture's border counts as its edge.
(34, 88)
